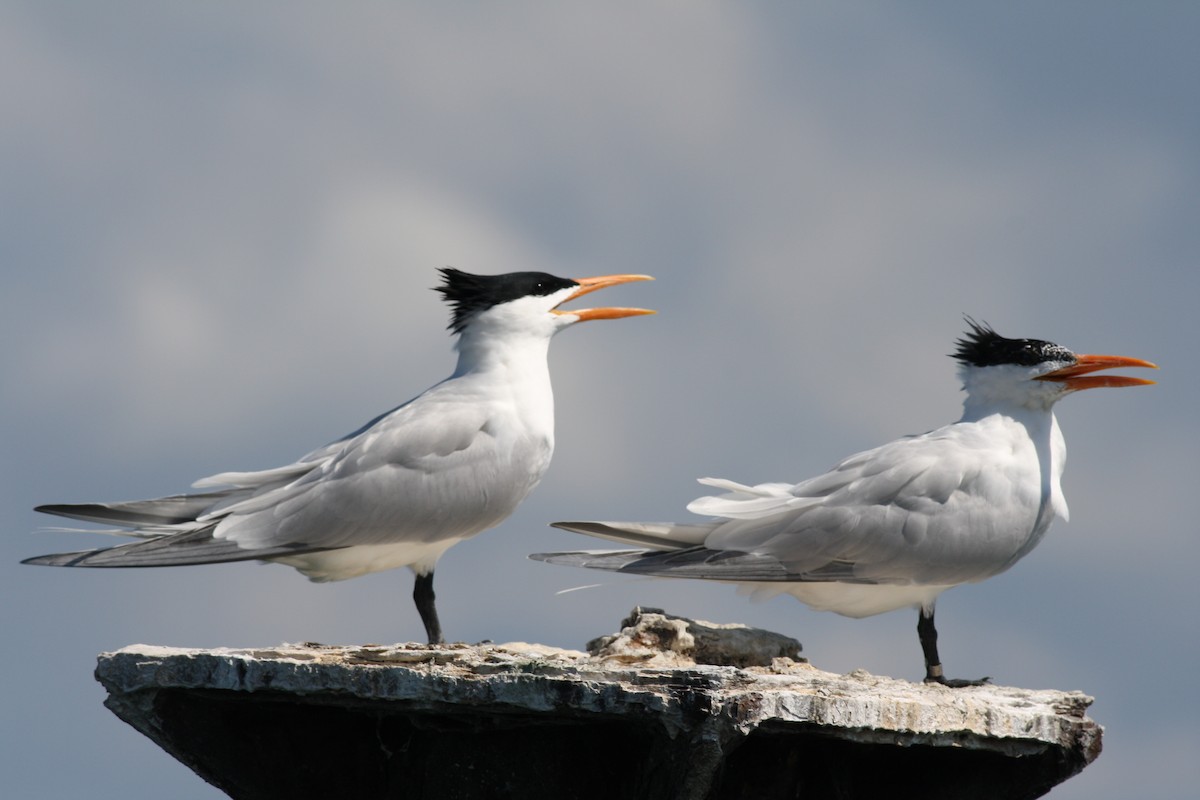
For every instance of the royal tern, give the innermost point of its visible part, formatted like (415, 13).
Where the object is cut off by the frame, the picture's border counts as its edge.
(451, 463)
(896, 526)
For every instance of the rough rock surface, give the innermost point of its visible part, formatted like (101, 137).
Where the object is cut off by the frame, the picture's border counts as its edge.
(526, 720)
(652, 637)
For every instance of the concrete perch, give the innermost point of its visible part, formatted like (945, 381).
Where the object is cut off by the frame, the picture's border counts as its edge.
(526, 720)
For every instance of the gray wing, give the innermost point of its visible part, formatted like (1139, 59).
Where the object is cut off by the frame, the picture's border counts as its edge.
(400, 478)
(941, 508)
(432, 470)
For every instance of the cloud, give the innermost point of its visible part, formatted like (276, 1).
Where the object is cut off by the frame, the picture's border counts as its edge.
(222, 223)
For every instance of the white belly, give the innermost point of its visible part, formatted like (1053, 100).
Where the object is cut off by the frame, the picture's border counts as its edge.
(848, 599)
(350, 562)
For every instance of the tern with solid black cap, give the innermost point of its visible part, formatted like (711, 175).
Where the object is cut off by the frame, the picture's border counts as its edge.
(445, 466)
(896, 526)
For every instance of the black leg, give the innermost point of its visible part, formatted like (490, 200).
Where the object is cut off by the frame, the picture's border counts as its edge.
(927, 633)
(423, 597)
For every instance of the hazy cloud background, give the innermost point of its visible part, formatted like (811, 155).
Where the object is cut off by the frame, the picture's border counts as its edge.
(219, 224)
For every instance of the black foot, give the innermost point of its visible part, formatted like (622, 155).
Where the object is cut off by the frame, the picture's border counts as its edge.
(956, 683)
(927, 633)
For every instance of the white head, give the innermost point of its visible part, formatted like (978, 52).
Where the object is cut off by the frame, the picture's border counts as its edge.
(520, 304)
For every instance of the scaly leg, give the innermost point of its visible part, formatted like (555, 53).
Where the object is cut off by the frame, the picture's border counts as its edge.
(424, 598)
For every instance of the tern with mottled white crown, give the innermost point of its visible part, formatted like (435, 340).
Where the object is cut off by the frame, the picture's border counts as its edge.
(896, 526)
(445, 466)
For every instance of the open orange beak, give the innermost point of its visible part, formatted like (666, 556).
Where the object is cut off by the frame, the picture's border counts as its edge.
(1077, 376)
(587, 285)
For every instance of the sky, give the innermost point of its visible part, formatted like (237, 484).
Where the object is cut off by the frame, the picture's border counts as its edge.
(220, 224)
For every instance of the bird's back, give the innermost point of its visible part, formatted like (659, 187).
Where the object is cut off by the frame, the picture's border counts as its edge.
(952, 505)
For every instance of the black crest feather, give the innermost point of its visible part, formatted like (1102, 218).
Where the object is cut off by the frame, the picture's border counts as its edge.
(470, 294)
(981, 346)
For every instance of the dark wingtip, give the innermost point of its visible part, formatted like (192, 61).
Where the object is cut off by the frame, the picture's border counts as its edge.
(60, 559)
(581, 527)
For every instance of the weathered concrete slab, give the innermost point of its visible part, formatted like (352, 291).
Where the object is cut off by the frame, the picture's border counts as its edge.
(525, 720)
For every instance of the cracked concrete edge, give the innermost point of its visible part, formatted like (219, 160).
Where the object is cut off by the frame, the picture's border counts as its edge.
(535, 678)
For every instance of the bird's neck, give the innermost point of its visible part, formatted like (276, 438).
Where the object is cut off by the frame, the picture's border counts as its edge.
(1038, 420)
(515, 357)
(513, 374)
(1006, 387)
(1035, 417)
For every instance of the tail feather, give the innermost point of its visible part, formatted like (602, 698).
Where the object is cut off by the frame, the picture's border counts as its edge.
(657, 535)
(181, 549)
(138, 513)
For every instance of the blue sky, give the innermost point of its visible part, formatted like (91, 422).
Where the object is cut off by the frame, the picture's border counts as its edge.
(219, 225)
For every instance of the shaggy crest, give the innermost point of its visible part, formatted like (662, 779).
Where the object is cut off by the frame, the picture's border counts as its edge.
(983, 347)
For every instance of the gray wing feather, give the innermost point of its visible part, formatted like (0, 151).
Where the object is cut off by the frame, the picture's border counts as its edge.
(181, 549)
(697, 562)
